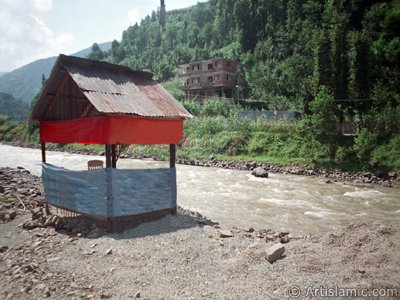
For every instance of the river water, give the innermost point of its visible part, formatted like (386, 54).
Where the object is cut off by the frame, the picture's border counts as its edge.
(235, 198)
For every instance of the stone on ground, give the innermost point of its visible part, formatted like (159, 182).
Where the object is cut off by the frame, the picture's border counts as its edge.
(275, 252)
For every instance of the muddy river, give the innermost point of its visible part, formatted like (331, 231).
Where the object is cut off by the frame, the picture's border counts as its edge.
(235, 198)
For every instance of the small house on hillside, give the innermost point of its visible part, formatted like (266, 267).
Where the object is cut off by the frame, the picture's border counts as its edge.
(93, 102)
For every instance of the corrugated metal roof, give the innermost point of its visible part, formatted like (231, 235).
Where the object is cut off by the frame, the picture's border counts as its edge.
(112, 89)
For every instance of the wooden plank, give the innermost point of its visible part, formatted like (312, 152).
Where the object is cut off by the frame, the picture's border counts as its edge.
(172, 155)
(113, 156)
(87, 109)
(43, 146)
(108, 156)
(52, 101)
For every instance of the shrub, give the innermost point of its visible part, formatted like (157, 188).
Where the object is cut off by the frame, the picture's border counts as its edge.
(211, 108)
(231, 142)
(364, 144)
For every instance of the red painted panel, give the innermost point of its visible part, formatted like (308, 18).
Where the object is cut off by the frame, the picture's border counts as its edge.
(112, 130)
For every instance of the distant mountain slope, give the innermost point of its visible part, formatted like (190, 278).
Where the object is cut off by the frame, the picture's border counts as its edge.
(13, 108)
(2, 73)
(24, 83)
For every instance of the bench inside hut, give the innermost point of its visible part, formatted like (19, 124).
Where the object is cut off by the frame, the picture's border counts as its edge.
(93, 102)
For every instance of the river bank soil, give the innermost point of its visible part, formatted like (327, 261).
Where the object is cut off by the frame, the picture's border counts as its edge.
(178, 257)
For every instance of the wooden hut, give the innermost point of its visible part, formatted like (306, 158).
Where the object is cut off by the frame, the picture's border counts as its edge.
(93, 102)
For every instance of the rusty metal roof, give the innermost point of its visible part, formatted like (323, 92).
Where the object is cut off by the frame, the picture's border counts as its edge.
(111, 89)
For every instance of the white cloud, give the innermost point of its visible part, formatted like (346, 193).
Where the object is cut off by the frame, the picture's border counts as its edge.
(64, 38)
(133, 16)
(24, 36)
(43, 5)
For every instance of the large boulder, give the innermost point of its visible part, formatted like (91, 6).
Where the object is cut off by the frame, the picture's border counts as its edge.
(260, 172)
(275, 252)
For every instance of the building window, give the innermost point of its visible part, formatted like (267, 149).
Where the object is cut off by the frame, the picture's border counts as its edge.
(209, 79)
(196, 67)
(228, 64)
(210, 66)
(217, 77)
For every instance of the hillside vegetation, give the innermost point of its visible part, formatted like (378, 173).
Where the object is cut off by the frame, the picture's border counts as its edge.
(13, 108)
(287, 49)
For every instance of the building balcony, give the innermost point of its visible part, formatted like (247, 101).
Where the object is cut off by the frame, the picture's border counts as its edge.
(208, 85)
(220, 69)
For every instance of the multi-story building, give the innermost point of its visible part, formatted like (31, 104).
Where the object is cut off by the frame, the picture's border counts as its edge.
(214, 77)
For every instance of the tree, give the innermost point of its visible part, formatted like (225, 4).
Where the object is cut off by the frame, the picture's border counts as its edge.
(96, 53)
(245, 29)
(162, 14)
(43, 79)
(324, 121)
(322, 60)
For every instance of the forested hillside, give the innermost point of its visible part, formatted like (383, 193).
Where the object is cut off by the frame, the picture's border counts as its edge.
(13, 108)
(287, 49)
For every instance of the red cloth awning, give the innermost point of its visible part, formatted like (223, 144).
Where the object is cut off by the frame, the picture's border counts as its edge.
(112, 130)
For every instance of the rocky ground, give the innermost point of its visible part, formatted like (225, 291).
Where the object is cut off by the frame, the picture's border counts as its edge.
(179, 257)
(387, 179)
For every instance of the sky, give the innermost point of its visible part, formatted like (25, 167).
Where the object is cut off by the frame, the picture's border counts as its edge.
(34, 29)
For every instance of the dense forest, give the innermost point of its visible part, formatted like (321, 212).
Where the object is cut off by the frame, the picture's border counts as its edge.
(13, 108)
(287, 49)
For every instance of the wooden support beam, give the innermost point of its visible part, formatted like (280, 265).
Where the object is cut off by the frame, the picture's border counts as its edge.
(43, 146)
(43, 152)
(172, 155)
(56, 95)
(113, 156)
(108, 156)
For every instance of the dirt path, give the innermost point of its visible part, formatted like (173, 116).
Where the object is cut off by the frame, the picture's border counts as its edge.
(180, 257)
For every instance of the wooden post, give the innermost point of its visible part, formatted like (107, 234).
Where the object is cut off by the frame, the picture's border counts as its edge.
(172, 155)
(113, 157)
(43, 152)
(43, 145)
(108, 156)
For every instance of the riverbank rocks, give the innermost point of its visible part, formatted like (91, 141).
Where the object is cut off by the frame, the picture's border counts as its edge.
(260, 172)
(45, 221)
(19, 191)
(275, 252)
(225, 233)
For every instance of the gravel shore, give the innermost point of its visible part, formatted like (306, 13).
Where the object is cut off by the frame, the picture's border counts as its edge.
(179, 257)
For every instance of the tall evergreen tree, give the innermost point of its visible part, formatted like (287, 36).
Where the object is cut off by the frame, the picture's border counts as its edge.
(162, 14)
